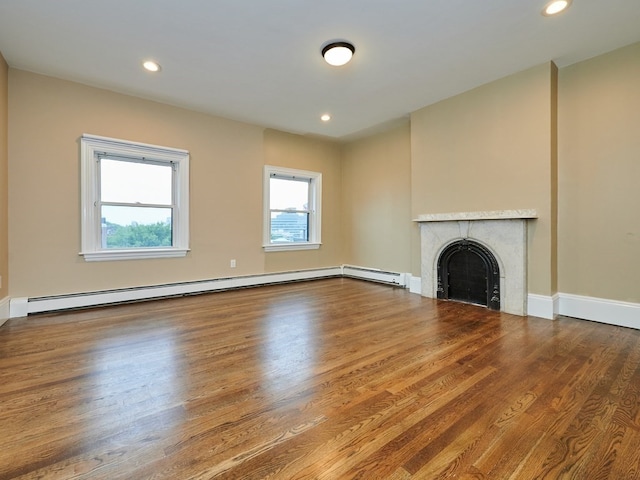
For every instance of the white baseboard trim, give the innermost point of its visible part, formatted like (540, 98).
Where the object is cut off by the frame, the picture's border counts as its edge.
(542, 306)
(5, 310)
(613, 312)
(415, 284)
(21, 307)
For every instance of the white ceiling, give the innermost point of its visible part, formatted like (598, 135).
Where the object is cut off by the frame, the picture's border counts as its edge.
(258, 61)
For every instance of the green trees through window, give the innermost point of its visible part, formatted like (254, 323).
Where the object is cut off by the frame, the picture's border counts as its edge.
(136, 235)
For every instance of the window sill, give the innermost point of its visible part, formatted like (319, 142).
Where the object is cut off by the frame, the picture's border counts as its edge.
(284, 247)
(110, 255)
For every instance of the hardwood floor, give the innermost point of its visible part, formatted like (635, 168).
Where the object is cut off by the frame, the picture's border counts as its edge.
(330, 379)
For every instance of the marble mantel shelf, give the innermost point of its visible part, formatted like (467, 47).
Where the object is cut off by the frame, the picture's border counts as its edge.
(488, 215)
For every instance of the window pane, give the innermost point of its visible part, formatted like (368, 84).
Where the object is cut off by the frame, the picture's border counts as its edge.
(288, 194)
(133, 227)
(131, 182)
(289, 227)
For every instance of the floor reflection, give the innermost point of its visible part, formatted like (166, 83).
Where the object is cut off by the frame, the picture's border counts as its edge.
(288, 355)
(137, 382)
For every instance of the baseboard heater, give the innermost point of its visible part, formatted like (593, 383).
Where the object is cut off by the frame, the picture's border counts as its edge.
(374, 275)
(20, 307)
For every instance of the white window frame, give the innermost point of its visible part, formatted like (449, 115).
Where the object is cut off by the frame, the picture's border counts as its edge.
(315, 209)
(91, 148)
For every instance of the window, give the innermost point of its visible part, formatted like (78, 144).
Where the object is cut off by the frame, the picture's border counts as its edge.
(135, 200)
(292, 209)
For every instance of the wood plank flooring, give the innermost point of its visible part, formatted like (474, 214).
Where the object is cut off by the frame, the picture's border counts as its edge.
(330, 379)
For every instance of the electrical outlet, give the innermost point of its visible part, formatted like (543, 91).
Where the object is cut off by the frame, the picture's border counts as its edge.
(233, 263)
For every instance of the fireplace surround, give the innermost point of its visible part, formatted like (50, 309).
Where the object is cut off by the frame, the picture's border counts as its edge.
(503, 233)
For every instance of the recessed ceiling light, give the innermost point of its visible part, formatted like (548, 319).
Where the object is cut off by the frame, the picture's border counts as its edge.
(555, 7)
(325, 117)
(338, 53)
(151, 66)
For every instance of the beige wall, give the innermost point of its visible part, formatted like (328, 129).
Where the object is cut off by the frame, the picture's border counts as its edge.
(491, 149)
(599, 176)
(376, 177)
(503, 134)
(47, 118)
(296, 151)
(4, 185)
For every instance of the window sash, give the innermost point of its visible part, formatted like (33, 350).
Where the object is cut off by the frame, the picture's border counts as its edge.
(307, 211)
(141, 162)
(104, 232)
(172, 187)
(140, 232)
(290, 227)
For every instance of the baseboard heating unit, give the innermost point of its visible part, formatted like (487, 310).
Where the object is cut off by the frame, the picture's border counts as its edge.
(374, 275)
(21, 307)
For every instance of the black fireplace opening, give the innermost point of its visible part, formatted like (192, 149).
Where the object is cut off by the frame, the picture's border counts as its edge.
(468, 272)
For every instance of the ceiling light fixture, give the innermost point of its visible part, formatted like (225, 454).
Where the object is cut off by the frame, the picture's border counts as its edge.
(338, 53)
(555, 7)
(151, 66)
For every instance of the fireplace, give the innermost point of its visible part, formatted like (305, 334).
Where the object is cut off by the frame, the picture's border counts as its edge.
(487, 252)
(468, 272)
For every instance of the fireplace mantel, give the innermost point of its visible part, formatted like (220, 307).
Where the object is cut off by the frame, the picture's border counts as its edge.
(488, 215)
(502, 232)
